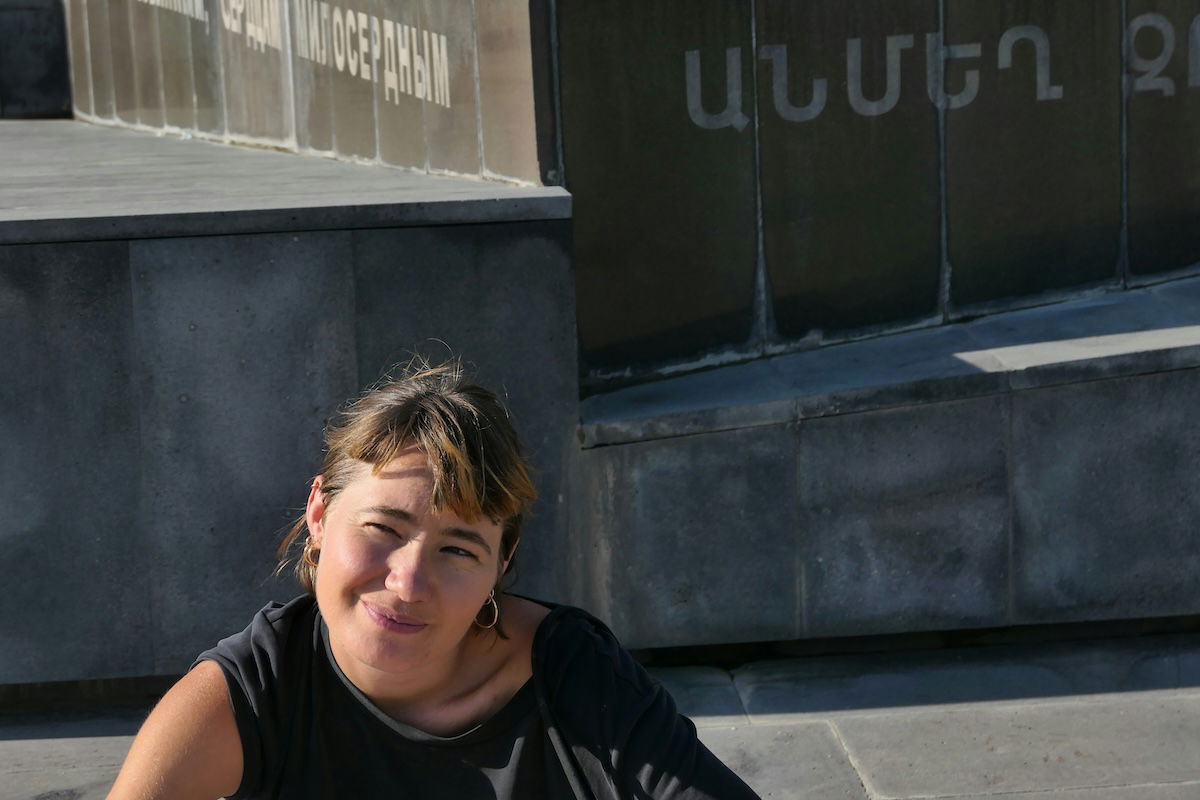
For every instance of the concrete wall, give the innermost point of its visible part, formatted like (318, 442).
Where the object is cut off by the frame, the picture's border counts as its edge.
(443, 87)
(161, 402)
(34, 81)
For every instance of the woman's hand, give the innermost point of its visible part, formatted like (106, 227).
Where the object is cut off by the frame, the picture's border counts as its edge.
(189, 747)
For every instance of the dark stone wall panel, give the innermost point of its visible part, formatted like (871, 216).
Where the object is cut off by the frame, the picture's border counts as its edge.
(125, 96)
(147, 63)
(178, 85)
(245, 347)
(76, 568)
(664, 208)
(401, 112)
(100, 57)
(451, 97)
(1033, 169)
(1164, 126)
(1106, 499)
(502, 297)
(506, 89)
(904, 516)
(849, 163)
(692, 540)
(35, 70)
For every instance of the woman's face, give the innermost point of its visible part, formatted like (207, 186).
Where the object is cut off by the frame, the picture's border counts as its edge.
(398, 585)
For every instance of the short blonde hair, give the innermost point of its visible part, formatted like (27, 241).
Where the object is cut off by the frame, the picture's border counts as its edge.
(464, 430)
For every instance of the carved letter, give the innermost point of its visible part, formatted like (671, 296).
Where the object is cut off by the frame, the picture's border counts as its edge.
(339, 40)
(420, 75)
(351, 39)
(777, 55)
(936, 56)
(873, 108)
(300, 8)
(1041, 46)
(439, 69)
(732, 114)
(391, 83)
(1152, 80)
(364, 54)
(375, 51)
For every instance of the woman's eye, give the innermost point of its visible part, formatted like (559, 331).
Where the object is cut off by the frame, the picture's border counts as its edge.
(458, 551)
(380, 528)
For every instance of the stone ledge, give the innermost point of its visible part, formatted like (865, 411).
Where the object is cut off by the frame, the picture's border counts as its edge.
(1137, 332)
(149, 186)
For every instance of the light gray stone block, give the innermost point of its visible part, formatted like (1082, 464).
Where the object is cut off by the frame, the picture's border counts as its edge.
(501, 297)
(691, 540)
(245, 347)
(705, 694)
(904, 514)
(1106, 498)
(1106, 740)
(59, 784)
(787, 761)
(76, 566)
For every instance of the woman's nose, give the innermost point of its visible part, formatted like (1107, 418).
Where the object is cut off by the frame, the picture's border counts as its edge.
(408, 573)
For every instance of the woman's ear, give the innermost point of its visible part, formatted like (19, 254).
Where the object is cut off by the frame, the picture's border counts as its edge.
(314, 512)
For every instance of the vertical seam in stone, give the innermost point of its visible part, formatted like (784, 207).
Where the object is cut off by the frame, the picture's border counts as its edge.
(87, 54)
(762, 326)
(220, 62)
(858, 769)
(1010, 480)
(162, 73)
(290, 71)
(801, 562)
(943, 200)
(478, 91)
(556, 93)
(1123, 237)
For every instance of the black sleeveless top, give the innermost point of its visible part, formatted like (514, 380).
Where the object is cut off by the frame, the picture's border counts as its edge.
(590, 723)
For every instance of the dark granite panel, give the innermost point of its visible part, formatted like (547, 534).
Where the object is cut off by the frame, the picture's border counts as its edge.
(849, 163)
(506, 89)
(1106, 499)
(1033, 172)
(451, 101)
(147, 63)
(175, 48)
(353, 75)
(125, 98)
(904, 514)
(257, 97)
(502, 297)
(401, 112)
(81, 67)
(664, 189)
(246, 347)
(207, 64)
(312, 76)
(35, 71)
(692, 540)
(101, 58)
(1164, 126)
(76, 566)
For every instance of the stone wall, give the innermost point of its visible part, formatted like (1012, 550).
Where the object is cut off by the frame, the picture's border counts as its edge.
(443, 87)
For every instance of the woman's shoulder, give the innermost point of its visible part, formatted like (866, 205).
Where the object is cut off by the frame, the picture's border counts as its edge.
(275, 634)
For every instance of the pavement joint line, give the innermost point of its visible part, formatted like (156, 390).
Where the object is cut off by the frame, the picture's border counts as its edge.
(868, 789)
(1035, 792)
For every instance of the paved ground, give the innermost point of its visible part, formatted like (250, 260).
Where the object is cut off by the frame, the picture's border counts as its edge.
(1112, 720)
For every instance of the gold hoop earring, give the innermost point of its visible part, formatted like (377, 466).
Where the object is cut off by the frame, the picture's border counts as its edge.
(495, 612)
(309, 551)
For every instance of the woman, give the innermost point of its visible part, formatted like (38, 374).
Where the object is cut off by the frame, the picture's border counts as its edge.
(405, 670)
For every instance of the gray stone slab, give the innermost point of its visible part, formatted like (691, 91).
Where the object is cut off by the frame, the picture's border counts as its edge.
(352, 80)
(160, 186)
(500, 296)
(451, 108)
(245, 345)
(207, 77)
(787, 761)
(401, 112)
(70, 474)
(904, 516)
(147, 64)
(1105, 740)
(81, 64)
(257, 93)
(705, 694)
(1106, 499)
(100, 58)
(76, 784)
(691, 540)
(120, 41)
(178, 84)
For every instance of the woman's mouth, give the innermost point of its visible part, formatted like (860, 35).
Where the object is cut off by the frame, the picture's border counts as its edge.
(391, 620)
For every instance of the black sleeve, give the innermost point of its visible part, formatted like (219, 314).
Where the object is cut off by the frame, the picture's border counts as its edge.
(622, 725)
(252, 661)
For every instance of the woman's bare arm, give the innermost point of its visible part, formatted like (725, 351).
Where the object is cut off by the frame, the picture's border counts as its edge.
(189, 746)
